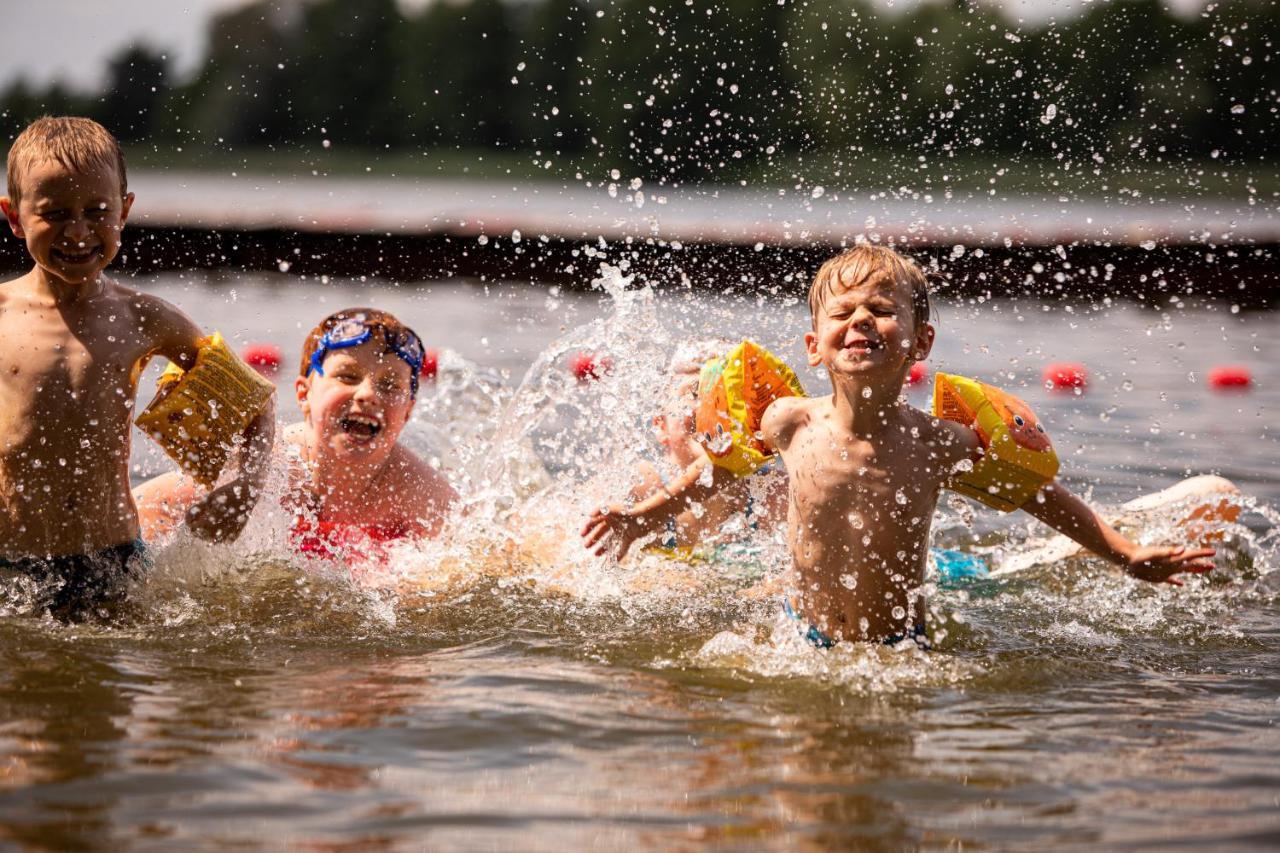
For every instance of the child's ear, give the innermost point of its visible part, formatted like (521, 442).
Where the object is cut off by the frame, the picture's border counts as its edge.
(302, 389)
(811, 348)
(125, 207)
(11, 213)
(923, 343)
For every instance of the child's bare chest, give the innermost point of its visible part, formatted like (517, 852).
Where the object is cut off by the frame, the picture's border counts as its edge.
(52, 374)
(846, 476)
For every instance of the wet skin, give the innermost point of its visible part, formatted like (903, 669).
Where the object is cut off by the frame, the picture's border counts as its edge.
(347, 466)
(72, 345)
(865, 469)
(356, 470)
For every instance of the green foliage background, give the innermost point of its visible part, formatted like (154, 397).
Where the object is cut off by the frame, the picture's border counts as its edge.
(675, 91)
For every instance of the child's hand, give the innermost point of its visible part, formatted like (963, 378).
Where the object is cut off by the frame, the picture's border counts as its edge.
(220, 515)
(1160, 564)
(624, 524)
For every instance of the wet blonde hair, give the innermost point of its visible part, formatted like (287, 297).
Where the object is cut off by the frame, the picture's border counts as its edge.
(79, 144)
(858, 266)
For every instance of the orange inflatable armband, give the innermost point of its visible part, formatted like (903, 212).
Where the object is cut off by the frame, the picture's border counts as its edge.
(733, 392)
(197, 414)
(1018, 459)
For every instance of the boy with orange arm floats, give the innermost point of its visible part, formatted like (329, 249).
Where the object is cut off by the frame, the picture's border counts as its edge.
(866, 469)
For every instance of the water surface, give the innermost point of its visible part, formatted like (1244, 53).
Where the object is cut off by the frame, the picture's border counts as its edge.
(499, 690)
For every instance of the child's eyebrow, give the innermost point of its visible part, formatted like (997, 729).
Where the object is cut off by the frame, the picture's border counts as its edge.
(857, 295)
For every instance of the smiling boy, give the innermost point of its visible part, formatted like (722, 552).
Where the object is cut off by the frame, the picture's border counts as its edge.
(72, 346)
(357, 384)
(866, 468)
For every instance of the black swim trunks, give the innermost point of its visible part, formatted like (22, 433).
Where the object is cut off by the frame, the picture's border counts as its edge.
(79, 585)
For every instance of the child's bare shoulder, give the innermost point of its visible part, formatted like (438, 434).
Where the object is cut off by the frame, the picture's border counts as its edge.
(947, 437)
(410, 474)
(786, 407)
(150, 310)
(9, 284)
(424, 497)
(14, 291)
(163, 326)
(784, 417)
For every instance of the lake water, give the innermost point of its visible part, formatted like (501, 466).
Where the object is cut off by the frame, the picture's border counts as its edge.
(501, 690)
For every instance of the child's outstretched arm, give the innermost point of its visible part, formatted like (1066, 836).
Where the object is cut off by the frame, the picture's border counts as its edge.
(1072, 517)
(778, 422)
(627, 524)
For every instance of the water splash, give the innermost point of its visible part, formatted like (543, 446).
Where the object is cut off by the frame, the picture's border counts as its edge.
(534, 459)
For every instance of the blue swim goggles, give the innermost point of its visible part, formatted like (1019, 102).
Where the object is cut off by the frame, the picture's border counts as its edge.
(357, 329)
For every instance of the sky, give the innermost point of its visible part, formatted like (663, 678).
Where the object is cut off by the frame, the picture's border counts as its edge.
(72, 40)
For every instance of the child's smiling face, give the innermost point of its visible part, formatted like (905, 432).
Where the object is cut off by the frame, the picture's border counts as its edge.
(868, 330)
(71, 221)
(359, 406)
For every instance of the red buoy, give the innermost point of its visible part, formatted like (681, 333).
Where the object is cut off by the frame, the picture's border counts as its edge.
(1066, 376)
(587, 367)
(264, 358)
(917, 374)
(430, 363)
(1230, 376)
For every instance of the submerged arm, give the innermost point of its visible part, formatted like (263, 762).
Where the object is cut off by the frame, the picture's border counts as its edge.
(223, 512)
(1072, 517)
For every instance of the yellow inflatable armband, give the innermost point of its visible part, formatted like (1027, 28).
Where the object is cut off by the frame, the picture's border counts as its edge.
(197, 413)
(1018, 458)
(733, 392)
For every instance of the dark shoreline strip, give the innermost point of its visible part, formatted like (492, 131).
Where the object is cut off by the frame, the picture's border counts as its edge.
(1242, 274)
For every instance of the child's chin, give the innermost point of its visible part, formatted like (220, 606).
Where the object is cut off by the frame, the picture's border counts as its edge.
(73, 273)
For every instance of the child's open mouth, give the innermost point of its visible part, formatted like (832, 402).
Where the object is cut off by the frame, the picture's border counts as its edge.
(863, 346)
(361, 427)
(76, 256)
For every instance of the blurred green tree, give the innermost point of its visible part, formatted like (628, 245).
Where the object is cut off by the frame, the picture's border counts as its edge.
(243, 93)
(344, 76)
(137, 84)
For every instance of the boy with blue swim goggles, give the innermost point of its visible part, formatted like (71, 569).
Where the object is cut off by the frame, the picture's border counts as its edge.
(356, 329)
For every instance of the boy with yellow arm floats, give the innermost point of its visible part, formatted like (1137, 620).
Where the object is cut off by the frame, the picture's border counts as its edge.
(73, 343)
(866, 469)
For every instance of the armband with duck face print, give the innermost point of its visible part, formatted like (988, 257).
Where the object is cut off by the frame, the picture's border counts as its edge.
(733, 392)
(1017, 458)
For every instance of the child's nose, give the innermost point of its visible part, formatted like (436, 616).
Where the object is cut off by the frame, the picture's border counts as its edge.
(863, 317)
(78, 229)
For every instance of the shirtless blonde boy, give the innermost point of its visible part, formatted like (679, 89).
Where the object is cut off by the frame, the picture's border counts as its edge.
(72, 346)
(866, 469)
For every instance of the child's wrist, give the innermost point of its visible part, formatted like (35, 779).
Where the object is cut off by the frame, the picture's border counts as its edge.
(1124, 554)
